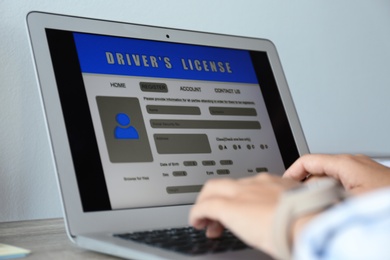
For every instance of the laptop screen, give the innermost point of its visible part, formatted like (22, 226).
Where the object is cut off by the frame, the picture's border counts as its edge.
(149, 122)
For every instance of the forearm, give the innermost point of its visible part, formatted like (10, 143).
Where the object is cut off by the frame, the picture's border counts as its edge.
(358, 228)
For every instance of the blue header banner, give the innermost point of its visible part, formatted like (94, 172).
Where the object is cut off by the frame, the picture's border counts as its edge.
(134, 57)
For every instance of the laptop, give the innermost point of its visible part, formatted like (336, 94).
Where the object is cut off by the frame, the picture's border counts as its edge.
(140, 117)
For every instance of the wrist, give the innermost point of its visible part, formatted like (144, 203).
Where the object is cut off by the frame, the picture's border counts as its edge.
(297, 207)
(299, 224)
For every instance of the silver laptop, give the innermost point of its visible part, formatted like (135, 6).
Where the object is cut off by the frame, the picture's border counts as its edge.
(140, 117)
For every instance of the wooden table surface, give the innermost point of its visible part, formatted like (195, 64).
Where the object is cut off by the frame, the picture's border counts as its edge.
(47, 239)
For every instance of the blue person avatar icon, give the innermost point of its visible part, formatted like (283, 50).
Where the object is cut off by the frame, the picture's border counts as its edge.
(124, 130)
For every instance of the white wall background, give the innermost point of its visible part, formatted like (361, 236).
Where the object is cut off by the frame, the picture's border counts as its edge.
(336, 56)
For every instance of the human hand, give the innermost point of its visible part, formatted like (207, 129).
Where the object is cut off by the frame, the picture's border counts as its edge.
(244, 206)
(357, 173)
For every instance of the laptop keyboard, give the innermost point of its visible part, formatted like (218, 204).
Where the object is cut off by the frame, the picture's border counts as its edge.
(186, 240)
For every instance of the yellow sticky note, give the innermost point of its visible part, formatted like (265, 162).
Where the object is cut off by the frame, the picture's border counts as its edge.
(9, 252)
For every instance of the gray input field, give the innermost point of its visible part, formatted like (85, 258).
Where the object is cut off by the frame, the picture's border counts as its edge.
(183, 189)
(173, 110)
(232, 111)
(204, 124)
(182, 143)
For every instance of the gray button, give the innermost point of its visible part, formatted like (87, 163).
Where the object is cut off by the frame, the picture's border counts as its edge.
(179, 173)
(153, 87)
(190, 163)
(262, 169)
(226, 162)
(183, 189)
(223, 172)
(208, 163)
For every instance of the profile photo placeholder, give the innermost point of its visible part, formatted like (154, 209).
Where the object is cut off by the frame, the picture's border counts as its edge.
(124, 129)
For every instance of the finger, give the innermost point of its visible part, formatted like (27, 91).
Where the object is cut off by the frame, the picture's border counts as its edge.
(201, 223)
(260, 178)
(270, 180)
(214, 229)
(315, 164)
(317, 177)
(207, 211)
